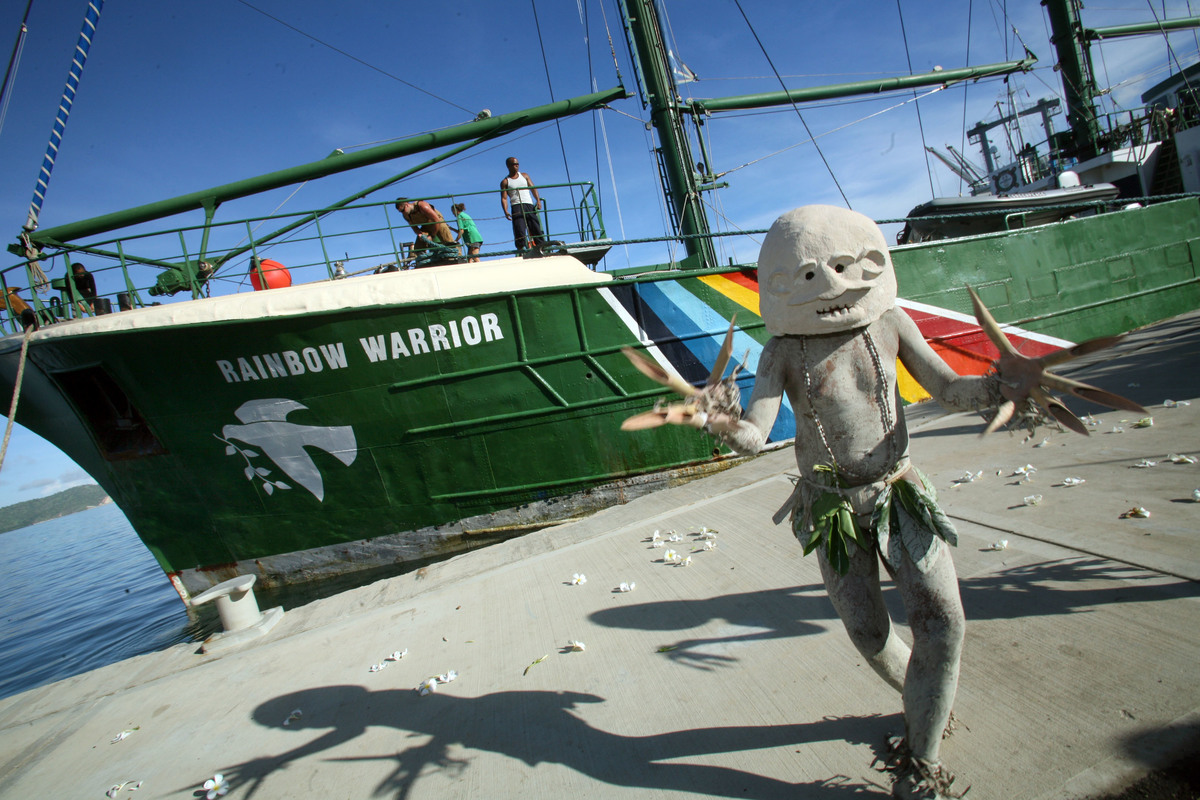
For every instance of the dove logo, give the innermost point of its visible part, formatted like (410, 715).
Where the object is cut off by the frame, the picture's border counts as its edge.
(265, 431)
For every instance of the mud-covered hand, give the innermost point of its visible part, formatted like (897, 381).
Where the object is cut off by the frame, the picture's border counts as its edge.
(718, 404)
(1022, 378)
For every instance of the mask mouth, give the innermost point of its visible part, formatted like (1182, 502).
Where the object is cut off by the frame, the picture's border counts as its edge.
(835, 312)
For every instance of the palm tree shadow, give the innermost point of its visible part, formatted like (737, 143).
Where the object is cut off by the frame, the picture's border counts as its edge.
(538, 727)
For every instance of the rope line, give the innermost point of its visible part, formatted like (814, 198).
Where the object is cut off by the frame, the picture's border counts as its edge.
(12, 409)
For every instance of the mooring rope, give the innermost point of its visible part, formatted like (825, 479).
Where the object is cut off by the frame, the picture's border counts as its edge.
(12, 409)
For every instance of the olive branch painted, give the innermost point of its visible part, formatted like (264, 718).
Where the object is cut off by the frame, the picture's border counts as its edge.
(252, 472)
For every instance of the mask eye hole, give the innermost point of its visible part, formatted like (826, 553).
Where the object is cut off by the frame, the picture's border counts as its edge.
(840, 268)
(808, 276)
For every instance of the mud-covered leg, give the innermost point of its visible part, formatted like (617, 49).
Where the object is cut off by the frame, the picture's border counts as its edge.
(935, 616)
(857, 598)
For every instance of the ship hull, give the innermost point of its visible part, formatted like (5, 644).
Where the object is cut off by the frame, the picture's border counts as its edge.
(386, 420)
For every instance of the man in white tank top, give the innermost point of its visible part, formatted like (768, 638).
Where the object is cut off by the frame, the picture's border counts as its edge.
(518, 192)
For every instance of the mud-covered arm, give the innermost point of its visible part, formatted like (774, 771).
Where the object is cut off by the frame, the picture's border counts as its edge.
(955, 392)
(748, 435)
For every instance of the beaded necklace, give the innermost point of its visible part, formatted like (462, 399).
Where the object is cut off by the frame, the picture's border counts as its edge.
(885, 414)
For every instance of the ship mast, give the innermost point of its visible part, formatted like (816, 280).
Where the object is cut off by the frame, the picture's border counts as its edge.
(657, 83)
(1071, 43)
(643, 28)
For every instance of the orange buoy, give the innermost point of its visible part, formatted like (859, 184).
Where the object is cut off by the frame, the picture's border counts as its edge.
(268, 274)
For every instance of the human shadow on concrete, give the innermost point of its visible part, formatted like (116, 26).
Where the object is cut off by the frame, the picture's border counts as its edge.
(1049, 588)
(540, 727)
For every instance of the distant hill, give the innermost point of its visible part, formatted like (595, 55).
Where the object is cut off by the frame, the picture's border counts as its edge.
(30, 512)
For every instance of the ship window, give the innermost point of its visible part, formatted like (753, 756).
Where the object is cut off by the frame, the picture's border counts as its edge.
(120, 430)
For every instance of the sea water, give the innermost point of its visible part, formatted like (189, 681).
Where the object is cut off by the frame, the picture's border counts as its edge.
(81, 592)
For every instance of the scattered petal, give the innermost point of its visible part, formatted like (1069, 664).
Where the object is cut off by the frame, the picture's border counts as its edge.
(710, 545)
(657, 543)
(1144, 422)
(447, 677)
(578, 578)
(123, 735)
(1000, 545)
(654, 536)
(1117, 429)
(1089, 420)
(1073, 481)
(1134, 385)
(1043, 442)
(295, 715)
(396, 656)
(215, 786)
(1145, 463)
(687, 562)
(132, 786)
(1136, 511)
(1196, 495)
(968, 477)
(577, 647)
(675, 537)
(708, 533)
(626, 587)
(1175, 404)
(535, 663)
(1175, 458)
(1033, 499)
(378, 667)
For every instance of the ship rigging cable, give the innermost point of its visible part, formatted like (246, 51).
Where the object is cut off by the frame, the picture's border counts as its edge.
(796, 108)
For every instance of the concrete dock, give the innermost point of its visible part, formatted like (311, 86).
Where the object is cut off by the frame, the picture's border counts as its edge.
(730, 677)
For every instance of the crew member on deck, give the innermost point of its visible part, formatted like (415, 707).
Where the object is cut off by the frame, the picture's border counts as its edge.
(427, 222)
(518, 191)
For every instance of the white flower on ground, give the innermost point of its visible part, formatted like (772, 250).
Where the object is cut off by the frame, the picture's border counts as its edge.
(969, 477)
(447, 677)
(1175, 458)
(1196, 495)
(1144, 422)
(396, 656)
(377, 667)
(1025, 471)
(123, 735)
(578, 578)
(708, 533)
(1136, 511)
(671, 556)
(295, 715)
(133, 786)
(1033, 499)
(578, 647)
(657, 543)
(215, 786)
(675, 537)
(1145, 463)
(654, 536)
(1174, 404)
(1073, 481)
(710, 545)
(626, 587)
(1117, 429)
(1043, 442)
(1000, 545)
(428, 686)
(687, 562)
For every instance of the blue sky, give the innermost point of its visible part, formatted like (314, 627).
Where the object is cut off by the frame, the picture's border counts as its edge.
(178, 97)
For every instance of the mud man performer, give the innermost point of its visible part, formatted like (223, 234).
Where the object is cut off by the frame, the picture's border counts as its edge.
(828, 291)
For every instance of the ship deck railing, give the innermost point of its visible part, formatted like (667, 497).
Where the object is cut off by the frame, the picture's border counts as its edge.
(143, 266)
